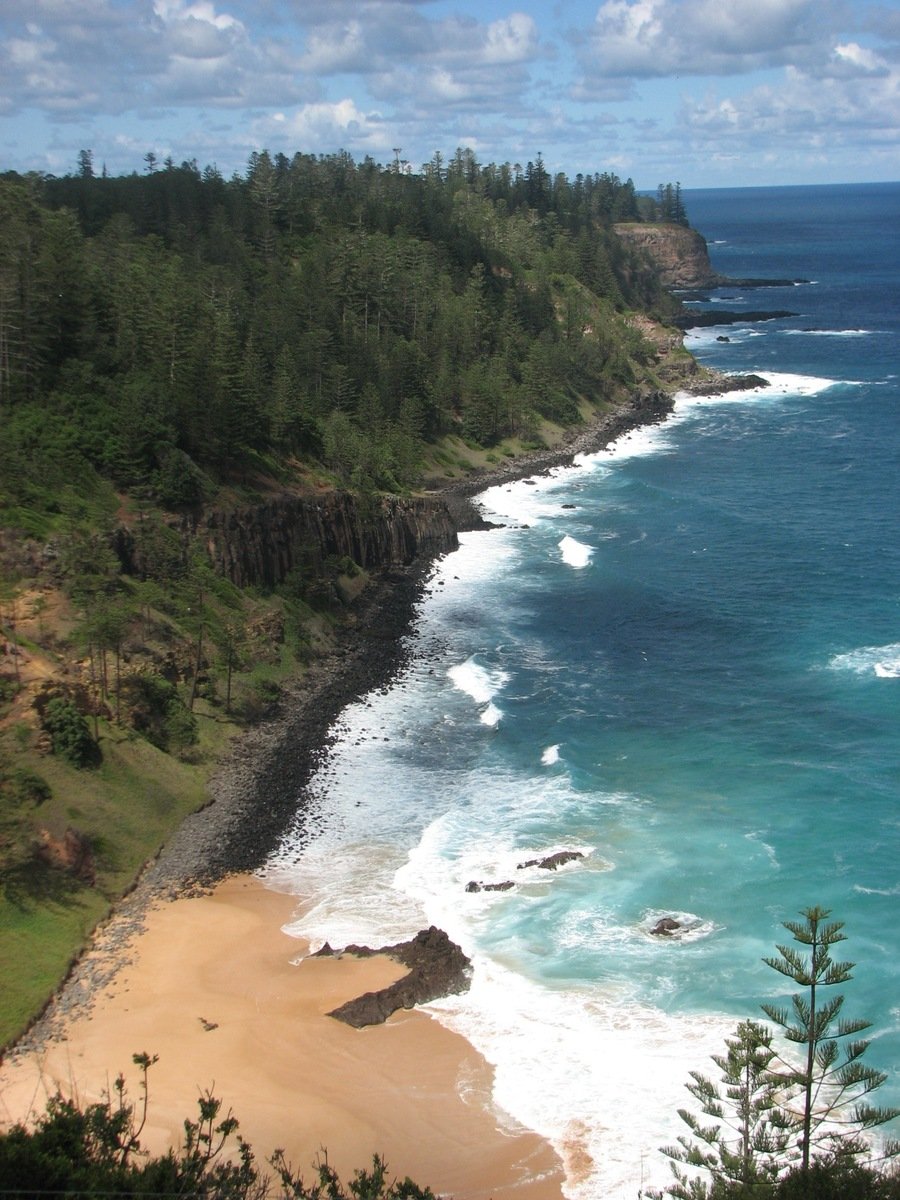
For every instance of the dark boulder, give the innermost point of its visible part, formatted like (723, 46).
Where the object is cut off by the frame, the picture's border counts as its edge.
(552, 861)
(665, 927)
(717, 385)
(437, 967)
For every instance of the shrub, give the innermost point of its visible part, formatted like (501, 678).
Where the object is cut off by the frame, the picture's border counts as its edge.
(69, 733)
(156, 711)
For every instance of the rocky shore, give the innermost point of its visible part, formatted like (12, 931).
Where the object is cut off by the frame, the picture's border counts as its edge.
(259, 787)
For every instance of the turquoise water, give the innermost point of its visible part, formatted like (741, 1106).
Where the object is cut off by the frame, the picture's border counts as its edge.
(692, 676)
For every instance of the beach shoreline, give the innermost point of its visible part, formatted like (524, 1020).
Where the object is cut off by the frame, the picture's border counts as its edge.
(260, 786)
(233, 1005)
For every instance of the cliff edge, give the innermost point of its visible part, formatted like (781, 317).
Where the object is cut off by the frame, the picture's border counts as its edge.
(678, 253)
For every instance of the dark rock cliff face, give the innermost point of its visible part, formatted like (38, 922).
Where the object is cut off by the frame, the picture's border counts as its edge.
(680, 256)
(261, 544)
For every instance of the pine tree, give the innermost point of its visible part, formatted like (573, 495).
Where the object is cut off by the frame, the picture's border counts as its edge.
(748, 1136)
(830, 1081)
(776, 1118)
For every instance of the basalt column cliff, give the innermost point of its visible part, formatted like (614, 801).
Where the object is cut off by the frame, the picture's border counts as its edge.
(262, 544)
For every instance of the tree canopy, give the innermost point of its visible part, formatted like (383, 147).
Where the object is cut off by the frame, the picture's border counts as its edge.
(163, 331)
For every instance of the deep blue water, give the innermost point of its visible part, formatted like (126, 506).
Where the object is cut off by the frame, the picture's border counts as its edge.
(693, 677)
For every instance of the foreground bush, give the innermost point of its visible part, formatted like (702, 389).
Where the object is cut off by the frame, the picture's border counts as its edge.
(97, 1150)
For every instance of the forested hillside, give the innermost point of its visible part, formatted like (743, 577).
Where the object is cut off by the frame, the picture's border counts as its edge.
(173, 329)
(217, 398)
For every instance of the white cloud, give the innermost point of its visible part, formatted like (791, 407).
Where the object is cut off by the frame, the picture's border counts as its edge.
(325, 126)
(803, 113)
(655, 38)
(512, 40)
(859, 56)
(216, 77)
(334, 49)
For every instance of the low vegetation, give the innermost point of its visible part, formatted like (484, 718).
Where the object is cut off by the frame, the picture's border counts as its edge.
(96, 1150)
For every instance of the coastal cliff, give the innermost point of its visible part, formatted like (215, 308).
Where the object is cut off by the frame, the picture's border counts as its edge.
(263, 544)
(678, 253)
(679, 256)
(260, 545)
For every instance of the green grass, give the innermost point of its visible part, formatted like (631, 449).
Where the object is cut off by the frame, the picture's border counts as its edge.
(37, 944)
(128, 807)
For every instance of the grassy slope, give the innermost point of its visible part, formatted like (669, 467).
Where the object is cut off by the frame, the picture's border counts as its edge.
(127, 807)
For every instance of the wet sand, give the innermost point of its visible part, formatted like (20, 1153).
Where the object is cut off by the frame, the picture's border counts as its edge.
(216, 989)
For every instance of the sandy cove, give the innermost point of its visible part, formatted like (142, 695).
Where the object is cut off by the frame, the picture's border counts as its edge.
(168, 963)
(215, 988)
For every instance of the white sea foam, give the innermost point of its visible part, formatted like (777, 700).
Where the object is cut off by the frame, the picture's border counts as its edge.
(767, 847)
(550, 756)
(584, 930)
(780, 384)
(482, 685)
(574, 553)
(837, 333)
(527, 501)
(691, 927)
(647, 439)
(881, 661)
(477, 681)
(597, 1074)
(701, 337)
(348, 894)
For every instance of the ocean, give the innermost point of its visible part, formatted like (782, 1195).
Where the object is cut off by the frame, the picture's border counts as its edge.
(680, 658)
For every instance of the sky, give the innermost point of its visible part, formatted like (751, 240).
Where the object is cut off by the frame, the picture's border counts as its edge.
(708, 93)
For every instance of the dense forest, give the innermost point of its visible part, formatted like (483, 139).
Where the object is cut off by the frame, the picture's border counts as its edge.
(171, 329)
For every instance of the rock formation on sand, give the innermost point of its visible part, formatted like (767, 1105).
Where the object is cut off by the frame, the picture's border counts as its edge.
(437, 967)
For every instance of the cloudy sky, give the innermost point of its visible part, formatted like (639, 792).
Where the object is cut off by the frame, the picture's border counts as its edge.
(707, 92)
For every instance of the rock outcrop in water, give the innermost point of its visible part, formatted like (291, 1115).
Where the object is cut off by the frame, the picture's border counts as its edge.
(553, 861)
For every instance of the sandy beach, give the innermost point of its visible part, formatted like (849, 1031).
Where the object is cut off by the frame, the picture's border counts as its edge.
(230, 1003)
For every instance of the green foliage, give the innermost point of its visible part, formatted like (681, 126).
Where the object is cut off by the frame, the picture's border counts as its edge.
(830, 1082)
(96, 1150)
(260, 700)
(69, 732)
(670, 204)
(22, 786)
(781, 1125)
(365, 1184)
(163, 331)
(21, 792)
(746, 1139)
(179, 482)
(153, 707)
